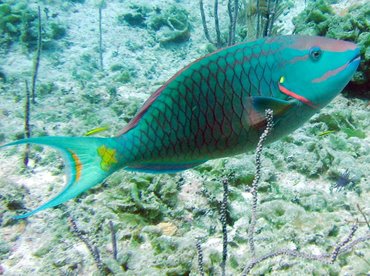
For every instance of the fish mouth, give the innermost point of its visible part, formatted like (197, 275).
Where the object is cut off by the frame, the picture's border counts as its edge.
(356, 58)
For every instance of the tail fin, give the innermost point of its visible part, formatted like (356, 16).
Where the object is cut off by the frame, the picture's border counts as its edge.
(89, 160)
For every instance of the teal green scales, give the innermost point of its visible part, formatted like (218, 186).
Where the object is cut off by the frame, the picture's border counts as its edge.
(213, 108)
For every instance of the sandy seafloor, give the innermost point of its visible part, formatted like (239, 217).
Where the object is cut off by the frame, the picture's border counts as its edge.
(299, 209)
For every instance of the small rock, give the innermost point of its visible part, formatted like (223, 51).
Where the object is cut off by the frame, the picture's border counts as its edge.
(168, 228)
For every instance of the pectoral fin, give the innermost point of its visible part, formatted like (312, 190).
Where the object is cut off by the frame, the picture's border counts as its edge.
(258, 105)
(278, 106)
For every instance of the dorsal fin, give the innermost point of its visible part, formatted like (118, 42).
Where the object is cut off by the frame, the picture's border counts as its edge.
(148, 103)
(142, 110)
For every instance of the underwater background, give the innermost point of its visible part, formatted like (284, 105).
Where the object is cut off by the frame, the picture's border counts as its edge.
(97, 62)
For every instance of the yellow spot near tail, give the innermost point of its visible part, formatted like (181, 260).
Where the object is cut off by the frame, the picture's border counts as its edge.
(108, 157)
(77, 163)
(282, 79)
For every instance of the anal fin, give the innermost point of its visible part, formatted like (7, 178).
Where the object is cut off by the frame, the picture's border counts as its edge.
(257, 106)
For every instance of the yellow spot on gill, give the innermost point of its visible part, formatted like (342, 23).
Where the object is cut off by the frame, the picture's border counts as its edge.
(282, 79)
(77, 163)
(108, 157)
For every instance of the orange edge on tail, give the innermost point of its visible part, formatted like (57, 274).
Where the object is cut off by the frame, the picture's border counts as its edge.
(78, 164)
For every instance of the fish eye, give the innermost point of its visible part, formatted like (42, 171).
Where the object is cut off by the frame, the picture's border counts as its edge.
(315, 53)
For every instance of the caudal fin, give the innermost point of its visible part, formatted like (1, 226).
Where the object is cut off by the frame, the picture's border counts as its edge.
(89, 160)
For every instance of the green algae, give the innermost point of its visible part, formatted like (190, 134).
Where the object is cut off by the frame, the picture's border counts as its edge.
(46, 89)
(170, 24)
(12, 198)
(146, 197)
(43, 250)
(15, 22)
(116, 67)
(136, 17)
(57, 30)
(18, 23)
(4, 250)
(123, 77)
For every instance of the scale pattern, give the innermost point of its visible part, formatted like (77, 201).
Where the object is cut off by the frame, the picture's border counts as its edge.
(203, 111)
(212, 108)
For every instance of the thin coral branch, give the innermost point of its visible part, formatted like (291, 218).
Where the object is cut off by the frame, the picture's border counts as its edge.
(272, 14)
(236, 11)
(258, 24)
(325, 258)
(114, 239)
(205, 28)
(224, 225)
(266, 22)
(340, 245)
(231, 19)
(37, 59)
(284, 251)
(364, 216)
(266, 132)
(217, 25)
(100, 38)
(27, 128)
(93, 250)
(354, 243)
(232, 8)
(200, 256)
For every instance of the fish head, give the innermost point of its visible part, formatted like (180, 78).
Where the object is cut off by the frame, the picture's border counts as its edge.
(316, 69)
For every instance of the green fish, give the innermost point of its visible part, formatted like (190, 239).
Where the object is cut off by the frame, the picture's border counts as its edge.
(213, 108)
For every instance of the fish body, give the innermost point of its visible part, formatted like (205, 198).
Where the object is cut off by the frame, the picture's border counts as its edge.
(213, 108)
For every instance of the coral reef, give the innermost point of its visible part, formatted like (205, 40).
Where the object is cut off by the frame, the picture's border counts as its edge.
(159, 219)
(18, 22)
(15, 23)
(169, 25)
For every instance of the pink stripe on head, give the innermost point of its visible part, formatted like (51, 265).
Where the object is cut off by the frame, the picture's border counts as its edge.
(328, 44)
(330, 74)
(299, 58)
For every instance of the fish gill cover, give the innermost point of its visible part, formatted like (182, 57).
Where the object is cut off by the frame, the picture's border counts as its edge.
(97, 63)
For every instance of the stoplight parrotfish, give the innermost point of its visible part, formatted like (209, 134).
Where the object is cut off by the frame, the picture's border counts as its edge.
(212, 108)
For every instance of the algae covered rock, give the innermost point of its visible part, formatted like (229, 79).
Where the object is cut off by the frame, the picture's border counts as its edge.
(170, 24)
(19, 23)
(315, 19)
(15, 22)
(137, 16)
(320, 19)
(12, 196)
